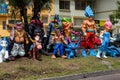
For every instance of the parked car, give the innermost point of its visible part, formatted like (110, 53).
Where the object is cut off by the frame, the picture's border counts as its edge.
(115, 41)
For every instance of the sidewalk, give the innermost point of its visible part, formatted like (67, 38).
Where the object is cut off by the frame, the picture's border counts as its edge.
(84, 76)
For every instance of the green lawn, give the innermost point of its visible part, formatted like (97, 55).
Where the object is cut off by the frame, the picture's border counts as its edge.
(26, 69)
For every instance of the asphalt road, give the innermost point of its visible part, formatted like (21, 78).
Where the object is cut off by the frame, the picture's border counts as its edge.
(104, 77)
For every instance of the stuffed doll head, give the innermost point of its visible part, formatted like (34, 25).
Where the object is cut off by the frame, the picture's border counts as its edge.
(37, 37)
(107, 25)
(66, 23)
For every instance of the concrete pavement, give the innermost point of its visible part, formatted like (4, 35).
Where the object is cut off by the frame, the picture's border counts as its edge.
(104, 77)
(101, 75)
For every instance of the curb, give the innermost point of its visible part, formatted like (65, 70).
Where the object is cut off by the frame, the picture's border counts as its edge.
(83, 75)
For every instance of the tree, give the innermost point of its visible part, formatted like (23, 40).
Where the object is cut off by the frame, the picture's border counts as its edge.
(1, 1)
(38, 5)
(115, 17)
(22, 6)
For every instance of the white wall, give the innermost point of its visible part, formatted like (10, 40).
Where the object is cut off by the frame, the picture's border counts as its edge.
(104, 8)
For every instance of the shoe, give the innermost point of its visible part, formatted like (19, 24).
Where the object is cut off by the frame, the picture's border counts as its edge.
(92, 53)
(84, 54)
(98, 56)
(105, 56)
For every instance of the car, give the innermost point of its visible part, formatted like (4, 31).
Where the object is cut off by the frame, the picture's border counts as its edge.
(115, 41)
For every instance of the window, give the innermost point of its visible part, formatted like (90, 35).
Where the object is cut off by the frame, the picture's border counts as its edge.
(90, 3)
(13, 21)
(45, 19)
(64, 4)
(4, 25)
(77, 21)
(80, 4)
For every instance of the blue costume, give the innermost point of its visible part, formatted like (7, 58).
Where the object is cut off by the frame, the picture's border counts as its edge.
(53, 25)
(71, 49)
(58, 46)
(105, 42)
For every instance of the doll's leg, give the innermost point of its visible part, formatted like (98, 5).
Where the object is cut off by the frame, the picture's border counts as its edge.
(21, 50)
(55, 51)
(104, 54)
(6, 55)
(14, 51)
(62, 51)
(98, 54)
(1, 57)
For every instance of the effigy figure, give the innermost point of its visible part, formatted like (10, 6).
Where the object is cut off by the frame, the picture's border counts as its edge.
(58, 40)
(36, 26)
(35, 47)
(71, 48)
(53, 25)
(66, 28)
(4, 49)
(105, 40)
(89, 31)
(19, 37)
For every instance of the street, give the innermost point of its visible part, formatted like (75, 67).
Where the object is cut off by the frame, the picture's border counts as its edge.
(105, 77)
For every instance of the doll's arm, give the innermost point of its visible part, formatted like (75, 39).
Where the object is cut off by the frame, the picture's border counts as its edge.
(63, 40)
(12, 33)
(26, 38)
(83, 27)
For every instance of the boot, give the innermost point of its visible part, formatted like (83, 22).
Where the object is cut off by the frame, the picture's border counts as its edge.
(84, 54)
(98, 54)
(104, 55)
(92, 53)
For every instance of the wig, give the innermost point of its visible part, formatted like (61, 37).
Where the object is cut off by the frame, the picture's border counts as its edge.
(89, 12)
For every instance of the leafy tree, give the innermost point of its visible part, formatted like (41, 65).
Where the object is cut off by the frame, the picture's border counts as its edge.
(39, 4)
(115, 17)
(22, 6)
(1, 1)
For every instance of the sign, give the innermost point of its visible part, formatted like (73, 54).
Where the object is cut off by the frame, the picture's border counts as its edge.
(3, 8)
(102, 22)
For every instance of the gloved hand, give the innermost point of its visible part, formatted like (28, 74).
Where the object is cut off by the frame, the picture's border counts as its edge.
(45, 35)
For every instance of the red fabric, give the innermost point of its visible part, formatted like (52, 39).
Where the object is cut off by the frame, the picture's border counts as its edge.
(97, 41)
(89, 41)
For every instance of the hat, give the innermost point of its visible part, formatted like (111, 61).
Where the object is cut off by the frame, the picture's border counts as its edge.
(67, 19)
(89, 12)
(108, 24)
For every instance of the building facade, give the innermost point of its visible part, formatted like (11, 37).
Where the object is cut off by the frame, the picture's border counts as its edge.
(73, 9)
(6, 17)
(103, 8)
